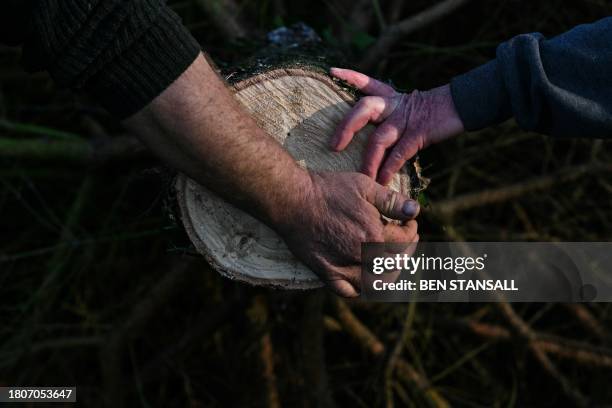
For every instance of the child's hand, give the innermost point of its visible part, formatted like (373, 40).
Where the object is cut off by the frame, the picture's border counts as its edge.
(408, 122)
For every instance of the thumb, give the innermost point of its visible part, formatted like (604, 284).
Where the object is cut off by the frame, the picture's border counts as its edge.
(393, 204)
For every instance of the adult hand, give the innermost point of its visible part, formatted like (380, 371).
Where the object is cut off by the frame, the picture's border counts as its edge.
(197, 127)
(339, 212)
(407, 122)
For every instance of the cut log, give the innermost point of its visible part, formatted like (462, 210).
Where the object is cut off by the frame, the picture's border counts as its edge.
(300, 107)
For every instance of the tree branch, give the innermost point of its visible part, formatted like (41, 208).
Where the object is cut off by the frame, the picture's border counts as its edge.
(141, 314)
(224, 15)
(501, 194)
(75, 151)
(397, 31)
(578, 351)
(368, 340)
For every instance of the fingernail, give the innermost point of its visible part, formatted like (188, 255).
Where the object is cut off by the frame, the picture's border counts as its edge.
(410, 208)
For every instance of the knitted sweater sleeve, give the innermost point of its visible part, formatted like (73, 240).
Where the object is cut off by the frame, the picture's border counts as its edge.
(122, 52)
(560, 86)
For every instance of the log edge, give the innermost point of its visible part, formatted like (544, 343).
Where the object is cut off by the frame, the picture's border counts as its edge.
(180, 184)
(276, 73)
(180, 187)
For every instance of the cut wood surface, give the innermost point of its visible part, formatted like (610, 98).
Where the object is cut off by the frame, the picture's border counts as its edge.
(300, 108)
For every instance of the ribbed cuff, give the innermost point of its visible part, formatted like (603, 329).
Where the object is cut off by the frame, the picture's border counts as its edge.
(480, 97)
(141, 72)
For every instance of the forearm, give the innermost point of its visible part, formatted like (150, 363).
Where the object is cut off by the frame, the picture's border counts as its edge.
(197, 127)
(559, 86)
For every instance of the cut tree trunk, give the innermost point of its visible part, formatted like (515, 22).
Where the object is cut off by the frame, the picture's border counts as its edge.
(300, 107)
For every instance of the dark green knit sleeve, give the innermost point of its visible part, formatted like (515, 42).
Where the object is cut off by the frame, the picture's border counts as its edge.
(122, 52)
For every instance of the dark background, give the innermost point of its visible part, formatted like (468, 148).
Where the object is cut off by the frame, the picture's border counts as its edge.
(100, 289)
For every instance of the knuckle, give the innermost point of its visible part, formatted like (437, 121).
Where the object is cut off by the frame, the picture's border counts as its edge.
(397, 155)
(369, 102)
(363, 102)
(407, 142)
(382, 136)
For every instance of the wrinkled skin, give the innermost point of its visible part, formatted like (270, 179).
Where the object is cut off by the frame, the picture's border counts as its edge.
(407, 123)
(343, 211)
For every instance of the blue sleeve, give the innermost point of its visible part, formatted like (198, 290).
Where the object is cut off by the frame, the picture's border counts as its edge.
(560, 87)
